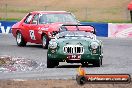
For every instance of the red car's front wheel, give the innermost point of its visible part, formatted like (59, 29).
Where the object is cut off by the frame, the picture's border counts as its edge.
(20, 40)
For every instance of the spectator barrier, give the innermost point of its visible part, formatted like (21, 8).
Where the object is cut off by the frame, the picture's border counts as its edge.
(122, 30)
(101, 28)
(5, 26)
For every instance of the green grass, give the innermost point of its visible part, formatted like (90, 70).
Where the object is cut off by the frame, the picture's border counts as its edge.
(114, 21)
(105, 21)
(10, 19)
(108, 21)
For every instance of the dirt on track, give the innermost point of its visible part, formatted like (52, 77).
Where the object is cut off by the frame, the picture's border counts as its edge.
(55, 84)
(90, 10)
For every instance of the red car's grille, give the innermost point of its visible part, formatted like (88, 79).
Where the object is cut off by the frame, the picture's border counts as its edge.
(73, 49)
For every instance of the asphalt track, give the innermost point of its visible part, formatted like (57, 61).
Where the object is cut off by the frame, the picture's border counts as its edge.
(117, 59)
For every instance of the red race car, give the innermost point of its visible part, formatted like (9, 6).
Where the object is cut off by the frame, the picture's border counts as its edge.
(40, 26)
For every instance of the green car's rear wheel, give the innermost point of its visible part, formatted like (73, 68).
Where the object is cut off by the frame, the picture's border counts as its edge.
(51, 63)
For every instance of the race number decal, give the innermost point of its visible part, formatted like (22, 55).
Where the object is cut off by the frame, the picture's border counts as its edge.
(32, 36)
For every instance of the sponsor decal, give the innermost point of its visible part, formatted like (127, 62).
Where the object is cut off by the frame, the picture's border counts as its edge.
(4, 30)
(83, 78)
(32, 35)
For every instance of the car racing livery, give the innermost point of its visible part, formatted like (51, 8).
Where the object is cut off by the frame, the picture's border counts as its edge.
(40, 26)
(74, 47)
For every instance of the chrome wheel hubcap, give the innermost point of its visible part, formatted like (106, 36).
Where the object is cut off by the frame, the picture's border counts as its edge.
(19, 38)
(44, 41)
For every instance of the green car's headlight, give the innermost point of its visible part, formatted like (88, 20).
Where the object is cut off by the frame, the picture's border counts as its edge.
(94, 45)
(52, 44)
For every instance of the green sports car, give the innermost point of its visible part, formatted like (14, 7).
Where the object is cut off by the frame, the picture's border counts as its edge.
(74, 47)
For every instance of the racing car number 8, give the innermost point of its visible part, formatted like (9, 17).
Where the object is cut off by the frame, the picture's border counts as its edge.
(32, 36)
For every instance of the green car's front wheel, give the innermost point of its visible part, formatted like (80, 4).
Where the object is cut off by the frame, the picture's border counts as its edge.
(51, 63)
